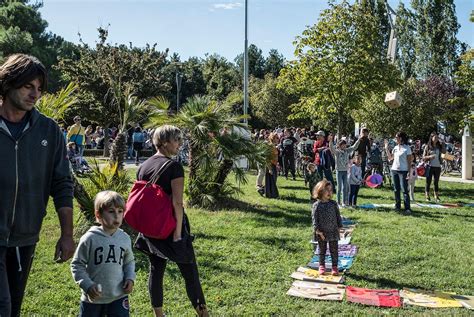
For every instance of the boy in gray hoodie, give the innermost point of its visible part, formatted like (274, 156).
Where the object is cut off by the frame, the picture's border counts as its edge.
(103, 265)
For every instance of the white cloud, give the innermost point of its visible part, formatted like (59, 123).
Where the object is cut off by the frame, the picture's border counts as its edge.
(227, 6)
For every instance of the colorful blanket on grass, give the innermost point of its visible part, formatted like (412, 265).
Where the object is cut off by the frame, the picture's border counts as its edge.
(343, 250)
(307, 274)
(343, 263)
(314, 290)
(373, 297)
(433, 299)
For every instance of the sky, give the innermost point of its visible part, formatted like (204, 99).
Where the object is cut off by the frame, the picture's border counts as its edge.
(196, 27)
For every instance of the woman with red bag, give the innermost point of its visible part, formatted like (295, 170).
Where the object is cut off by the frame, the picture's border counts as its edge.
(178, 246)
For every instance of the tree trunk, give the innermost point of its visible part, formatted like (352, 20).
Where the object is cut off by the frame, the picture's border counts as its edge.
(224, 170)
(106, 142)
(340, 114)
(118, 150)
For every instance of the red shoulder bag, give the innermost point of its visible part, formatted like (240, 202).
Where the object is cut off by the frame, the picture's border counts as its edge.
(149, 209)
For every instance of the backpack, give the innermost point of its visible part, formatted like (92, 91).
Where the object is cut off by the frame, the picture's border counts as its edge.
(149, 209)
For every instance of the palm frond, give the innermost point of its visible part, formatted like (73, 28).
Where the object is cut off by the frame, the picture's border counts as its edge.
(55, 105)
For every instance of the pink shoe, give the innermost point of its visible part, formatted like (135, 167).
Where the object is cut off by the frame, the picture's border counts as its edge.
(335, 271)
(322, 269)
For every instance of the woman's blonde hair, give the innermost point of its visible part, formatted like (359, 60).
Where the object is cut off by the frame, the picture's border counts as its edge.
(106, 199)
(272, 136)
(320, 188)
(166, 133)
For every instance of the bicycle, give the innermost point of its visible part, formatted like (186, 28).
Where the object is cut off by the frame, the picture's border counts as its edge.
(301, 164)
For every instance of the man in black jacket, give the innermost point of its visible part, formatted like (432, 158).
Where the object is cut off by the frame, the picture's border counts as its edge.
(33, 166)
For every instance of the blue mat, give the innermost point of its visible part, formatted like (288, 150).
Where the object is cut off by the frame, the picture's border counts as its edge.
(343, 263)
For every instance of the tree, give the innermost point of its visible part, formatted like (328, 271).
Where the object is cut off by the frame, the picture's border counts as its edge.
(338, 64)
(217, 138)
(220, 75)
(425, 102)
(98, 70)
(274, 63)
(427, 38)
(270, 104)
(22, 30)
(464, 78)
(256, 62)
(406, 35)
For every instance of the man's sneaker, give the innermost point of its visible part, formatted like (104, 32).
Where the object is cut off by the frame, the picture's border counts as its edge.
(322, 269)
(334, 271)
(408, 212)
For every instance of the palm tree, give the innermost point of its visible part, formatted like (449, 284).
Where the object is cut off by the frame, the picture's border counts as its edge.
(131, 109)
(55, 105)
(217, 137)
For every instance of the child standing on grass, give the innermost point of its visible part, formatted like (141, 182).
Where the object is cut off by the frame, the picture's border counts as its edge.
(355, 180)
(103, 265)
(342, 154)
(326, 225)
(312, 177)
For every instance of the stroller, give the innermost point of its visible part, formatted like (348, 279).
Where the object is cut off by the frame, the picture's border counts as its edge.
(77, 164)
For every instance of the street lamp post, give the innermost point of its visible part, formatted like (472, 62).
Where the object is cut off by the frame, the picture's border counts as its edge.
(179, 78)
(246, 66)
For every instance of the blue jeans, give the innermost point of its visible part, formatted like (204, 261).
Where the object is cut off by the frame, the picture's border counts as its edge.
(118, 308)
(400, 183)
(342, 187)
(353, 195)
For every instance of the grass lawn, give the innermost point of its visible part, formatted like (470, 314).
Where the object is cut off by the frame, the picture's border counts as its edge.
(246, 255)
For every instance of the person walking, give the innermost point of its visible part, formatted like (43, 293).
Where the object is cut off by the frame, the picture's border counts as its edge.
(34, 167)
(178, 246)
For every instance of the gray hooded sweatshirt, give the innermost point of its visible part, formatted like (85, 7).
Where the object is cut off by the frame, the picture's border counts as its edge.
(103, 259)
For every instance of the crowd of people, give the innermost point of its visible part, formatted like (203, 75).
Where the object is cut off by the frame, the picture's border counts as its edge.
(352, 159)
(103, 264)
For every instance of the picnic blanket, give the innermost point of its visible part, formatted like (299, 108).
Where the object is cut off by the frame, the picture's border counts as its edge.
(343, 262)
(306, 274)
(313, 290)
(466, 301)
(343, 250)
(342, 241)
(433, 299)
(373, 297)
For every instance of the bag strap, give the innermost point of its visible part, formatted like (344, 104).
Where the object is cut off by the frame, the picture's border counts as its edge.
(157, 174)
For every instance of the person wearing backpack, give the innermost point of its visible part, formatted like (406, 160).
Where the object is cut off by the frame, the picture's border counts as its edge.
(177, 247)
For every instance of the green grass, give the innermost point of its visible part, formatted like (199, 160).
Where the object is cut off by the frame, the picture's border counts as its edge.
(246, 255)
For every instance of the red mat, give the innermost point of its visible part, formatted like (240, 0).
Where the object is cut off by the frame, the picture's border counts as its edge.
(373, 297)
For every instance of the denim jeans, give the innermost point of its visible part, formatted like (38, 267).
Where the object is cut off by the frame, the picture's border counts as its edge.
(400, 183)
(327, 173)
(342, 187)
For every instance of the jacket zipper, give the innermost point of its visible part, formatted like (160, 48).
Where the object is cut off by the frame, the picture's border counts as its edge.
(16, 187)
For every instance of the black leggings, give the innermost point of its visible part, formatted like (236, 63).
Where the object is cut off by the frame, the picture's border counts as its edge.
(191, 279)
(333, 251)
(436, 172)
